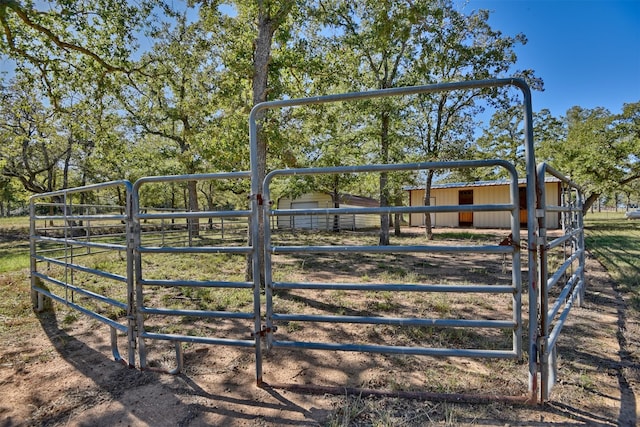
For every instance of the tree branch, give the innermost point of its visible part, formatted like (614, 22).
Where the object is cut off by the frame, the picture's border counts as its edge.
(49, 34)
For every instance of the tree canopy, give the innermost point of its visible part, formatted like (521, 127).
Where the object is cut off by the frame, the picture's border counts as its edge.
(102, 89)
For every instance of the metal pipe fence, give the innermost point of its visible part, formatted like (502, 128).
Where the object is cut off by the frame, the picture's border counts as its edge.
(69, 281)
(97, 258)
(568, 276)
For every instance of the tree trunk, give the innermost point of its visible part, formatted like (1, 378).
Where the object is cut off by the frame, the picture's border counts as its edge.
(193, 223)
(593, 197)
(384, 179)
(427, 202)
(336, 203)
(398, 217)
(208, 195)
(261, 59)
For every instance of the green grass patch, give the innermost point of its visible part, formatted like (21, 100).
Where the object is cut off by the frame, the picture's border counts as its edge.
(615, 242)
(14, 244)
(14, 222)
(13, 259)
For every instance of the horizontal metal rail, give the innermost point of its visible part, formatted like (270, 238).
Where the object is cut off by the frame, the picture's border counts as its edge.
(196, 283)
(198, 313)
(566, 290)
(197, 214)
(87, 188)
(93, 314)
(66, 256)
(81, 243)
(196, 250)
(199, 340)
(385, 349)
(78, 267)
(572, 234)
(493, 289)
(555, 333)
(398, 321)
(393, 210)
(466, 164)
(80, 217)
(486, 249)
(81, 291)
(557, 276)
(562, 209)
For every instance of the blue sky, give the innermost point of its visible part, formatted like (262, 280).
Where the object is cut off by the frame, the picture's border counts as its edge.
(586, 51)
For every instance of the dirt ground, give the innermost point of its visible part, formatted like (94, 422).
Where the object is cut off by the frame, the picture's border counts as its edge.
(52, 375)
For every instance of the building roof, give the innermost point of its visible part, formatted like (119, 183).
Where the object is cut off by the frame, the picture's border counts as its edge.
(476, 184)
(350, 199)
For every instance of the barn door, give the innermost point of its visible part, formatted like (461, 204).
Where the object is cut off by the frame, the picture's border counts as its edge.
(465, 197)
(522, 192)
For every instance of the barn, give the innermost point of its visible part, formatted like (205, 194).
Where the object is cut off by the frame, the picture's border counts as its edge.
(480, 192)
(326, 221)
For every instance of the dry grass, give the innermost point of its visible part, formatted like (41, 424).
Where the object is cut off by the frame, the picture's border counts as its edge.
(384, 372)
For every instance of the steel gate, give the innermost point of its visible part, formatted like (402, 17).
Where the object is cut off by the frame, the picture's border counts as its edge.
(78, 224)
(72, 230)
(147, 243)
(274, 320)
(532, 231)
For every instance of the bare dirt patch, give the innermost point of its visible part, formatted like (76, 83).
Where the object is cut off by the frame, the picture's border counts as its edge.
(58, 371)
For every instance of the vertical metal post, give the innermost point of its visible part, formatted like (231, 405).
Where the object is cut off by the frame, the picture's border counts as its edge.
(544, 352)
(88, 229)
(254, 227)
(130, 259)
(36, 298)
(516, 275)
(137, 273)
(581, 245)
(532, 239)
(65, 227)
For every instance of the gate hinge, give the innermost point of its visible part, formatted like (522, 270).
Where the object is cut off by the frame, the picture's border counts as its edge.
(258, 197)
(541, 241)
(540, 344)
(264, 331)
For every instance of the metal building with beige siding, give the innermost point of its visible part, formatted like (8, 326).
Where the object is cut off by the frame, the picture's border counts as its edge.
(320, 200)
(482, 192)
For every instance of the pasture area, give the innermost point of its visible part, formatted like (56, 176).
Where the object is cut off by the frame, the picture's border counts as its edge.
(56, 367)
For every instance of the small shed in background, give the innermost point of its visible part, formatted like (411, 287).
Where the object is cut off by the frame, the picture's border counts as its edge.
(481, 193)
(328, 221)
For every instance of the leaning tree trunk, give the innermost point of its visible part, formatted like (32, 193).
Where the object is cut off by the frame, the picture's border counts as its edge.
(593, 197)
